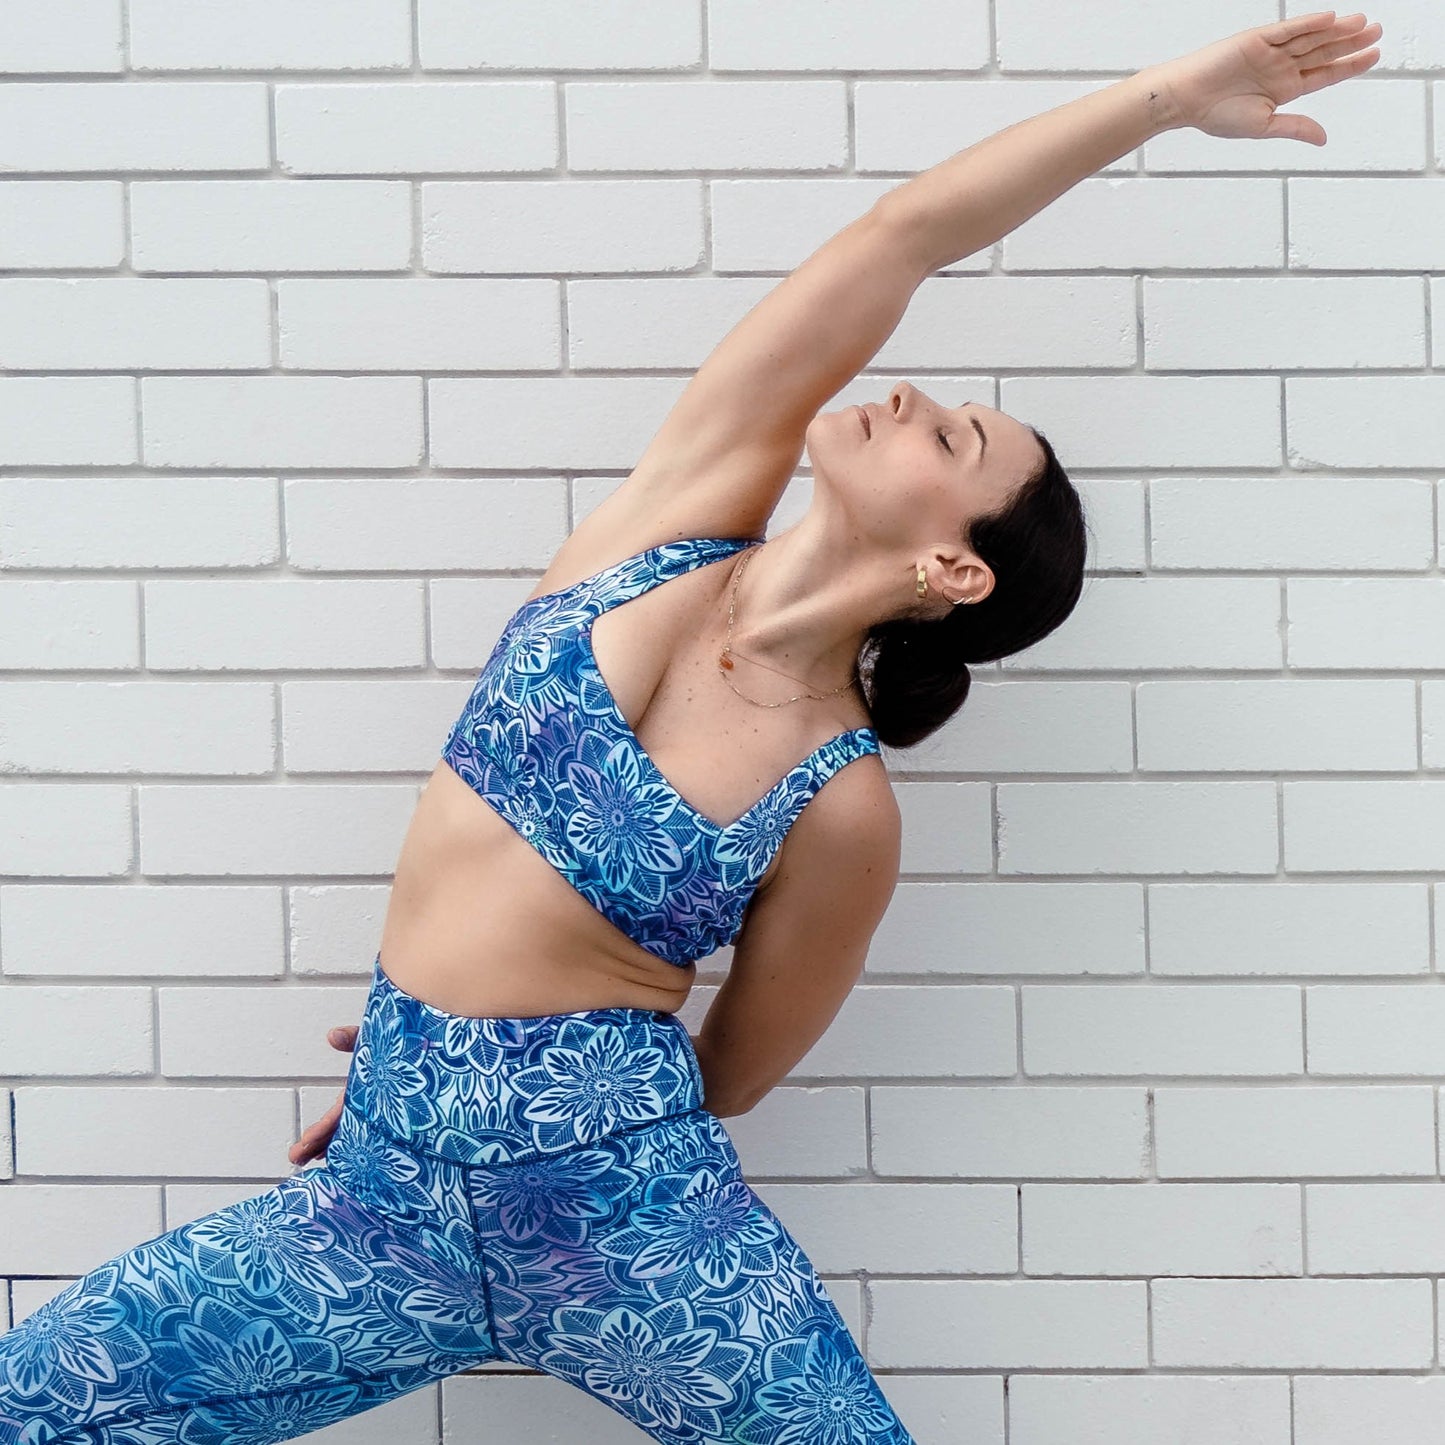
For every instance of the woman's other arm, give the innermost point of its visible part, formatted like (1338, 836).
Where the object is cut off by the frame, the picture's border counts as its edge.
(804, 939)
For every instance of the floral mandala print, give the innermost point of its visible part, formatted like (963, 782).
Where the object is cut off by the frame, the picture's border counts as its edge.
(542, 740)
(560, 1199)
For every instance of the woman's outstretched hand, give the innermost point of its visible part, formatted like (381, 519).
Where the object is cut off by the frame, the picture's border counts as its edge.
(314, 1140)
(1231, 88)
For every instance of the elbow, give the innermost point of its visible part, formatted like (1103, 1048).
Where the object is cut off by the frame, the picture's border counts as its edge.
(725, 1105)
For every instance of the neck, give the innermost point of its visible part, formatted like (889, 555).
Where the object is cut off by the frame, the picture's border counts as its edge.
(802, 612)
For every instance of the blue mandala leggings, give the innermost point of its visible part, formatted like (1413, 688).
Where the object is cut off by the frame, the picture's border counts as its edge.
(546, 1190)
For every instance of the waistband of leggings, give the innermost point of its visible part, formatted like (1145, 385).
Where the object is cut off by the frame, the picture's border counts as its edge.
(497, 1090)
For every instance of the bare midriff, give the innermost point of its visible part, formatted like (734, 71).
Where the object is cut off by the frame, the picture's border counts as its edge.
(480, 923)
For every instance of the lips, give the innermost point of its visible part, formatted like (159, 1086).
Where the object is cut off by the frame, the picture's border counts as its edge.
(867, 425)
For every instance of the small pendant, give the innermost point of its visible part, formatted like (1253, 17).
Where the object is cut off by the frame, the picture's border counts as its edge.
(724, 660)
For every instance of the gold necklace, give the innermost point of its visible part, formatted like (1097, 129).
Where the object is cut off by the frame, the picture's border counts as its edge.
(725, 657)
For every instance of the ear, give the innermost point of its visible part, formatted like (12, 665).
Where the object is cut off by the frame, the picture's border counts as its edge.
(963, 572)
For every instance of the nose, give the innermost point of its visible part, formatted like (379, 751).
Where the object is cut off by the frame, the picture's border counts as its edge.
(902, 399)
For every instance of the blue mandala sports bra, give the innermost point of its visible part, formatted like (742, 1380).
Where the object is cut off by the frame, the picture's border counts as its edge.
(542, 740)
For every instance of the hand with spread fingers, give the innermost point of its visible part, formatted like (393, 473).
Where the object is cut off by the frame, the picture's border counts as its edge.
(314, 1140)
(1234, 86)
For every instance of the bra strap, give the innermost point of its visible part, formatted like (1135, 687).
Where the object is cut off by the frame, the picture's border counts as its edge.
(640, 573)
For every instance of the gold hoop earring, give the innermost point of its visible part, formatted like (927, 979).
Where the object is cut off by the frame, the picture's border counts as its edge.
(922, 588)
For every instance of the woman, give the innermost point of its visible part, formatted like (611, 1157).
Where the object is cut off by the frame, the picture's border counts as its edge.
(528, 1161)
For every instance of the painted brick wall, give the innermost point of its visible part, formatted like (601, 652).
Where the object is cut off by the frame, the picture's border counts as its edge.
(320, 325)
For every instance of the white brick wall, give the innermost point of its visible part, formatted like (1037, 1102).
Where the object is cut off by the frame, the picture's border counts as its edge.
(319, 327)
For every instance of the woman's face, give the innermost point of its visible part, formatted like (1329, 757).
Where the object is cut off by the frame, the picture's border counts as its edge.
(911, 471)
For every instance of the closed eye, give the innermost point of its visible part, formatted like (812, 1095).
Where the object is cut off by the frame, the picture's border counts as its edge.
(942, 436)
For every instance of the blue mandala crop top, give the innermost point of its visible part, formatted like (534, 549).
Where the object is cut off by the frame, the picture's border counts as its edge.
(542, 740)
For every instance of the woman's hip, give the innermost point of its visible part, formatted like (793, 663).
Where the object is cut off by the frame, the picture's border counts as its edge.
(483, 1091)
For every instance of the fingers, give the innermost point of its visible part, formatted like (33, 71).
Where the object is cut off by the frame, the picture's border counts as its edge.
(1298, 25)
(343, 1038)
(316, 1137)
(1323, 75)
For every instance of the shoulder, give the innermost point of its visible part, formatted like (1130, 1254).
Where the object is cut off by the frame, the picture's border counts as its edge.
(849, 833)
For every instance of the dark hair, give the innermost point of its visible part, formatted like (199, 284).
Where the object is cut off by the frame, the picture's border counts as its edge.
(915, 673)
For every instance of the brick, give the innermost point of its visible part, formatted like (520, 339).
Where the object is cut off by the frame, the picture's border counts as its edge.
(139, 126)
(1368, 1029)
(981, 1132)
(947, 827)
(46, 624)
(277, 1033)
(282, 421)
(1127, 223)
(65, 830)
(294, 622)
(558, 226)
(420, 325)
(386, 727)
(46, 1030)
(1278, 1133)
(1374, 1228)
(62, 36)
(1011, 927)
(1373, 622)
(713, 125)
(557, 35)
(1154, 421)
(307, 828)
(412, 1417)
(549, 422)
(1277, 725)
(844, 35)
(1394, 826)
(1008, 1324)
(83, 930)
(140, 1131)
(7, 1151)
(1029, 727)
(1162, 1229)
(916, 1032)
(140, 522)
(1293, 1323)
(775, 225)
(1114, 1030)
(1316, 523)
(653, 324)
(424, 524)
(1328, 1409)
(1299, 322)
(468, 616)
(49, 224)
(241, 225)
(1289, 928)
(77, 421)
(336, 928)
(270, 35)
(1365, 223)
(1139, 827)
(50, 323)
(1146, 1408)
(403, 127)
(902, 1228)
(1403, 430)
(803, 1131)
(66, 1228)
(137, 727)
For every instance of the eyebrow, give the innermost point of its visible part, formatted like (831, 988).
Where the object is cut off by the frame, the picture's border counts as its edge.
(983, 440)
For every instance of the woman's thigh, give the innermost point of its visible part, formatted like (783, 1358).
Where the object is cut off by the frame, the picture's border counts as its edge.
(262, 1321)
(646, 1271)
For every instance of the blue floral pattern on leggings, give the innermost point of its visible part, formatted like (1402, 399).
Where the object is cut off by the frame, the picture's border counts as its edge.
(603, 1235)
(543, 741)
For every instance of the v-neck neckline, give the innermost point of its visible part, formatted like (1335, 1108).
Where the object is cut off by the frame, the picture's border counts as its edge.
(619, 720)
